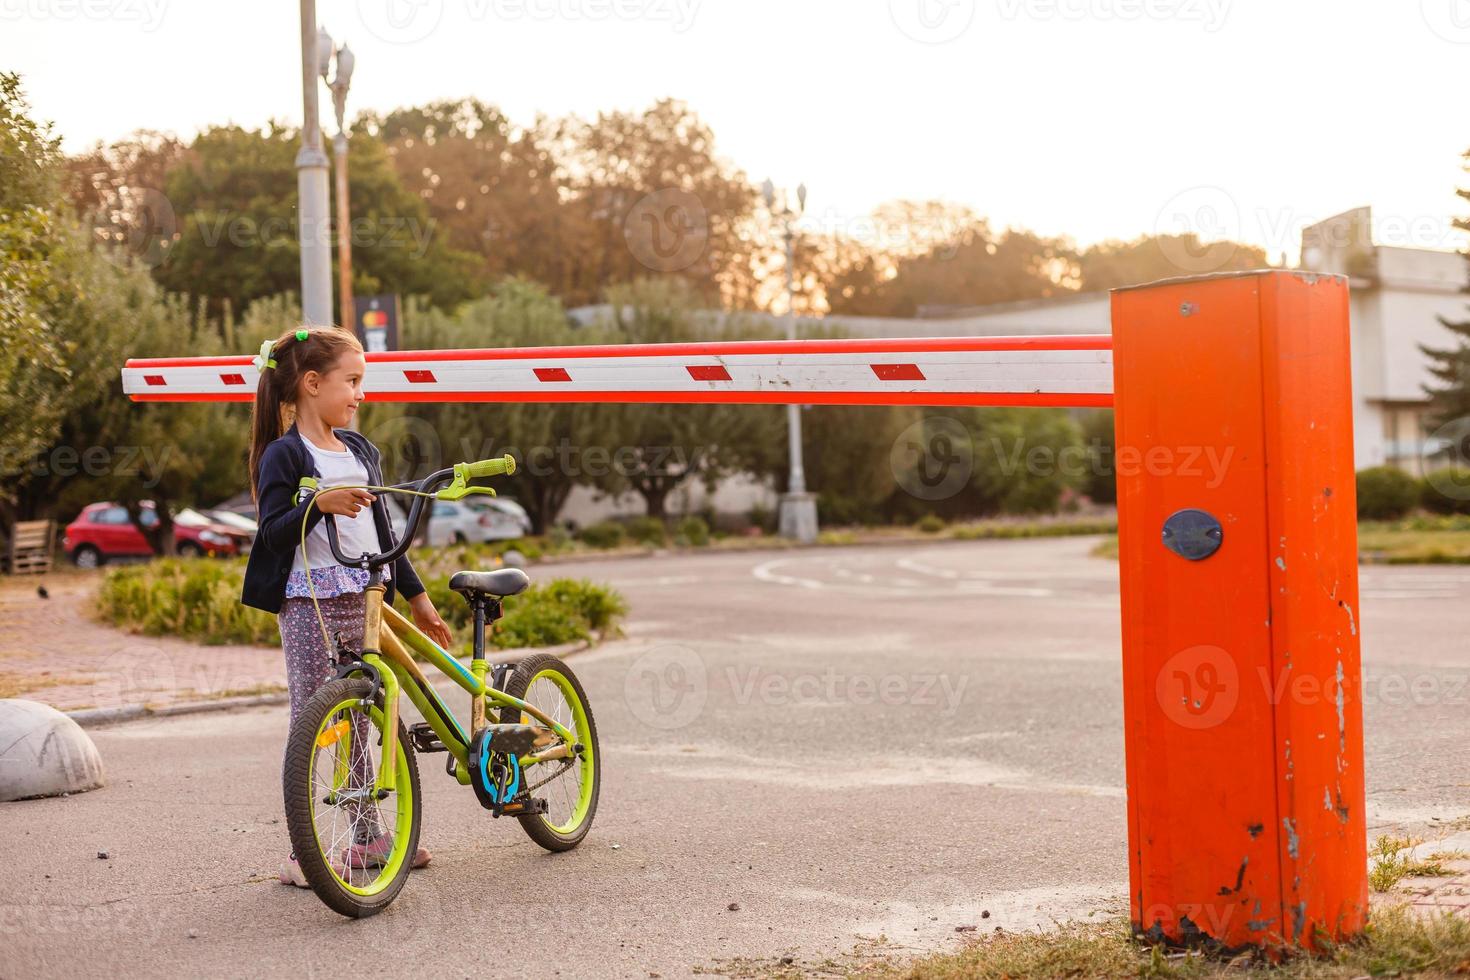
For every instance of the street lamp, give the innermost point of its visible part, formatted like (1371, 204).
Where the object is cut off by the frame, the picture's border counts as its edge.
(325, 52)
(339, 85)
(798, 513)
(311, 182)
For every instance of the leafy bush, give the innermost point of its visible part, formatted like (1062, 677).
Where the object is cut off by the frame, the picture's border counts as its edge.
(1432, 495)
(199, 599)
(193, 598)
(1385, 493)
(647, 531)
(1031, 529)
(930, 524)
(692, 531)
(603, 535)
(563, 610)
(763, 518)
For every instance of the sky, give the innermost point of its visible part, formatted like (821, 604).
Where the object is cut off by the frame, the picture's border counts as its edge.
(1244, 119)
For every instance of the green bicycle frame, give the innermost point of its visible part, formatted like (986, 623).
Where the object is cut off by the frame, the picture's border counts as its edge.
(389, 640)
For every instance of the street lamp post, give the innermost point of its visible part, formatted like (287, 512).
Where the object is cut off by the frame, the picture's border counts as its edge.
(798, 513)
(311, 183)
(339, 85)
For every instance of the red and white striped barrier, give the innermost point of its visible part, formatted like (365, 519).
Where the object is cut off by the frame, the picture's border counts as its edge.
(1056, 371)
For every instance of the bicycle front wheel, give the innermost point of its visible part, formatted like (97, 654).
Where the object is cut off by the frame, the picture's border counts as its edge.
(571, 786)
(354, 848)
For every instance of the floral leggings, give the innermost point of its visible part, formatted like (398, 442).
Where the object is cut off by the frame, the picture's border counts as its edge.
(309, 665)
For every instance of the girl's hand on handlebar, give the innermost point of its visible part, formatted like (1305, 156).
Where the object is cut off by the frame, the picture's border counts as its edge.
(345, 501)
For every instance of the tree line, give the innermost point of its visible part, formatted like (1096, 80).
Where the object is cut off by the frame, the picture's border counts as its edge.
(156, 245)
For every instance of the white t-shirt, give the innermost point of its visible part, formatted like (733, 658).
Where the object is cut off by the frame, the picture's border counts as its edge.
(355, 535)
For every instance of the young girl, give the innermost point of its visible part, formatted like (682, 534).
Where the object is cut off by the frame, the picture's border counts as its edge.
(316, 374)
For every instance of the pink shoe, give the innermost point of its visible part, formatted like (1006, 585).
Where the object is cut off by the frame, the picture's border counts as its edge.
(375, 854)
(291, 873)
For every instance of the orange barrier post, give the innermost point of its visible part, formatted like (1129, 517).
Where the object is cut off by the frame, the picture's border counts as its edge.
(1238, 556)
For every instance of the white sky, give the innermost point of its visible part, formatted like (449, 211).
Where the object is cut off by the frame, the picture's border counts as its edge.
(1094, 118)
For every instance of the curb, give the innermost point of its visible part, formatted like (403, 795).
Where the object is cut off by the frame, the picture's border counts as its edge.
(93, 717)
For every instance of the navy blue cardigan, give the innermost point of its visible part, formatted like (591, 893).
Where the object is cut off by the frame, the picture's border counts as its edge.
(282, 465)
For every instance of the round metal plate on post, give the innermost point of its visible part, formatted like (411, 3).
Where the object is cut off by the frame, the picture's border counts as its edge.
(1193, 534)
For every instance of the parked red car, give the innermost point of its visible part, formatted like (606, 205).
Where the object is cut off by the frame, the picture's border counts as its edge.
(102, 531)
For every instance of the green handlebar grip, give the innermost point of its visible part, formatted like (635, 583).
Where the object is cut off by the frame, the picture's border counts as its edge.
(492, 467)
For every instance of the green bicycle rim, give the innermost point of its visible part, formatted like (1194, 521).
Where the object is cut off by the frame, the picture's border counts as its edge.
(403, 799)
(587, 765)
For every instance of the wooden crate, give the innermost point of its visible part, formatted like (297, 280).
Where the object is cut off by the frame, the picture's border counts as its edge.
(30, 547)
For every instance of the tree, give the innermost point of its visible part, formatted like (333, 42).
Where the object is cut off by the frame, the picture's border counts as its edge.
(655, 449)
(1113, 263)
(217, 217)
(549, 440)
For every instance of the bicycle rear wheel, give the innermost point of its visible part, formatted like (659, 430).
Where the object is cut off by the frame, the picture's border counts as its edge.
(570, 788)
(354, 849)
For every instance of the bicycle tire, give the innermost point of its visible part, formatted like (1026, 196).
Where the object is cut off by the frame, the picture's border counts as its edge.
(560, 837)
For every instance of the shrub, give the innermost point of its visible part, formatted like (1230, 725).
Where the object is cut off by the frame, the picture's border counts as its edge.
(603, 535)
(194, 598)
(693, 531)
(199, 599)
(763, 518)
(647, 531)
(1386, 493)
(1433, 495)
(930, 524)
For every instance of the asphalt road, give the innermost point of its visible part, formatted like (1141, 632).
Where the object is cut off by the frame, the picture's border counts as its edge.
(840, 743)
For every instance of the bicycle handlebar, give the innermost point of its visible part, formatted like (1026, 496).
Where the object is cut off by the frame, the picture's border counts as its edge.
(458, 473)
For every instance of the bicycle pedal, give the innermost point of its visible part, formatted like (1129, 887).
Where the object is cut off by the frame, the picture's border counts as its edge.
(425, 739)
(523, 808)
(512, 739)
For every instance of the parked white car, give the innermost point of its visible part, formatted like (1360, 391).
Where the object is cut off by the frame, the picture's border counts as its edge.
(471, 521)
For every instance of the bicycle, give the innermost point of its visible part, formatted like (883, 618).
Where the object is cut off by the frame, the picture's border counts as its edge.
(370, 814)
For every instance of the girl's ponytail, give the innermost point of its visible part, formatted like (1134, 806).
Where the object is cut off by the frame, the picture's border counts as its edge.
(282, 364)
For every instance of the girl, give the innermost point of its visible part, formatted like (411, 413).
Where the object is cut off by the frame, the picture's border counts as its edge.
(316, 375)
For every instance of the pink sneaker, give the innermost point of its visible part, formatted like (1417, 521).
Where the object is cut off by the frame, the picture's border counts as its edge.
(375, 854)
(291, 873)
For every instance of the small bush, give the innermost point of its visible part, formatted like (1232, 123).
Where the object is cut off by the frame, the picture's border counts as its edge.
(930, 524)
(1386, 493)
(647, 531)
(603, 535)
(763, 518)
(692, 531)
(199, 599)
(1433, 495)
(193, 598)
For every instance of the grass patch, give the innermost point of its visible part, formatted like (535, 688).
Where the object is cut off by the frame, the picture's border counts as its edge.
(1425, 539)
(199, 599)
(13, 685)
(1396, 943)
(985, 530)
(1392, 860)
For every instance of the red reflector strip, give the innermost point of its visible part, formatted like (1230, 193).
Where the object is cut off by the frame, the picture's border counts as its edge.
(552, 374)
(154, 379)
(232, 379)
(898, 372)
(708, 372)
(419, 377)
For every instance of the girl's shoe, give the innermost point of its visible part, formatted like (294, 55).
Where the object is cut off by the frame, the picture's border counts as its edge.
(291, 873)
(375, 853)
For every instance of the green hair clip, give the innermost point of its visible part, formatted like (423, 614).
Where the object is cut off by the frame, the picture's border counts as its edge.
(264, 360)
(303, 334)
